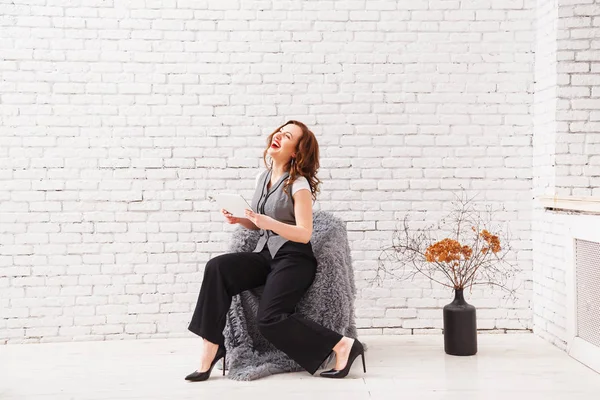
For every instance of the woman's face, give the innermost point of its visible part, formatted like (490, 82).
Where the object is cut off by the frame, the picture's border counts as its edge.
(284, 142)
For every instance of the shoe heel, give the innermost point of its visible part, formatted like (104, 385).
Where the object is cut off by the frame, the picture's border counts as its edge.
(224, 364)
(363, 360)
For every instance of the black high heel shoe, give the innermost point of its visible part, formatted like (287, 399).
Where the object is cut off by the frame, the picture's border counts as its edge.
(202, 376)
(356, 350)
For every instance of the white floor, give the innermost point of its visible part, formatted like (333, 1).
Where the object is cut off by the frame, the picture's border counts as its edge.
(518, 366)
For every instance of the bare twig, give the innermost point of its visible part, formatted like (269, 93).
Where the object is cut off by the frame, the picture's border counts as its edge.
(474, 255)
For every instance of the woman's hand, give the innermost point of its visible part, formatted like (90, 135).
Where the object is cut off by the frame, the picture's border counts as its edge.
(230, 218)
(260, 220)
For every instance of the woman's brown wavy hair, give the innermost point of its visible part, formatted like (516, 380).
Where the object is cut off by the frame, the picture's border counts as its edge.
(306, 162)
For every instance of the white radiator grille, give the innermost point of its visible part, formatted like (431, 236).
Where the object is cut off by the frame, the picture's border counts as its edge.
(587, 272)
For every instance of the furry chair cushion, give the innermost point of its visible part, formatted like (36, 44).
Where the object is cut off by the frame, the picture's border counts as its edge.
(329, 301)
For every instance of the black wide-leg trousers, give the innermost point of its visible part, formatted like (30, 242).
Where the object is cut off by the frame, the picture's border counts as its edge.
(286, 277)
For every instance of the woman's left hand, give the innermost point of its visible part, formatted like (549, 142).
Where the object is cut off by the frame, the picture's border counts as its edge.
(260, 220)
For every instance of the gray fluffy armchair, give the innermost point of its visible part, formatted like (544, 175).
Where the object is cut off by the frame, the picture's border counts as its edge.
(329, 301)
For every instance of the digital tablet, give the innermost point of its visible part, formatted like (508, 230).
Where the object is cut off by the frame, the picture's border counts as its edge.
(234, 203)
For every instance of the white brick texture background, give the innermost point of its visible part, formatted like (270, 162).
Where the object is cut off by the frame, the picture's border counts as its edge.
(578, 98)
(119, 118)
(566, 151)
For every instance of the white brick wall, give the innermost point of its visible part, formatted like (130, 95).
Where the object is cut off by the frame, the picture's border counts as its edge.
(578, 95)
(117, 121)
(565, 147)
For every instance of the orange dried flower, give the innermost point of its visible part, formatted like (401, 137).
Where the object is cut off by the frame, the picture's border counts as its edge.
(447, 250)
(492, 240)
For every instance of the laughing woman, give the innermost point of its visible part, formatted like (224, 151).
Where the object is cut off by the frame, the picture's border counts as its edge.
(283, 261)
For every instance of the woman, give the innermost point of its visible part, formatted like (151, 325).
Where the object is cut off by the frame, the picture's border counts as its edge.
(283, 261)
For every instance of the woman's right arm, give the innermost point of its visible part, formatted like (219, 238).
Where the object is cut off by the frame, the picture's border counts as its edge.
(246, 223)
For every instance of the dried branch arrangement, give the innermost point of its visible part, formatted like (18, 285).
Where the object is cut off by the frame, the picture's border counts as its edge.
(473, 250)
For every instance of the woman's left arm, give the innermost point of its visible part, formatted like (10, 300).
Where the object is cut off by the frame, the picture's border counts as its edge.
(302, 231)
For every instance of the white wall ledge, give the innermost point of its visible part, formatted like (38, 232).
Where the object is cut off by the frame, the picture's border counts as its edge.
(571, 203)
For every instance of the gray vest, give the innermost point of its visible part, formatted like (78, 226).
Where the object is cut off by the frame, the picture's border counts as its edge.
(276, 204)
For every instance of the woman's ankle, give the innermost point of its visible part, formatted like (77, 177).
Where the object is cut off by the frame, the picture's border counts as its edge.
(210, 345)
(342, 345)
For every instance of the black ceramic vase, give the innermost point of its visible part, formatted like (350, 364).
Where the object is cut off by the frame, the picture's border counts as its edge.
(460, 327)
